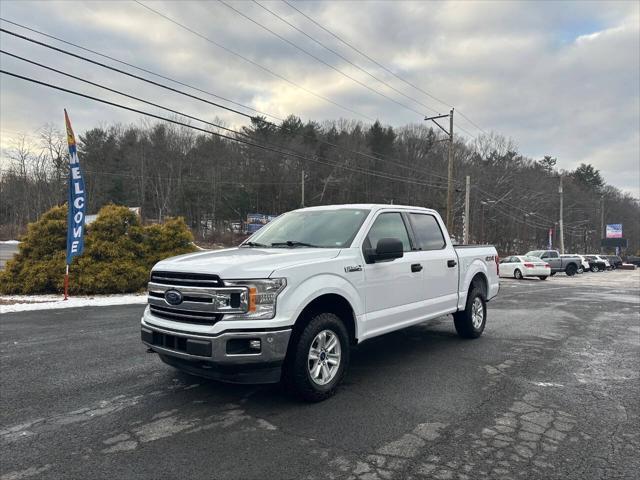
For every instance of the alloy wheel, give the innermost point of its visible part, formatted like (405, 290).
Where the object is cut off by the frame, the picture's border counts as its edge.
(323, 361)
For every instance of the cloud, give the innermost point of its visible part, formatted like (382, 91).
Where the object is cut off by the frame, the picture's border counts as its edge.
(560, 78)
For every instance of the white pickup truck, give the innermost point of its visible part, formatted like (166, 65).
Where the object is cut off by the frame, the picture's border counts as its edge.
(290, 302)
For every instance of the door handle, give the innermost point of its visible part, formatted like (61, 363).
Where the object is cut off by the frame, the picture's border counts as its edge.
(451, 263)
(416, 267)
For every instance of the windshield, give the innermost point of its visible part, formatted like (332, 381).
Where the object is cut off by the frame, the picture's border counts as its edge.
(535, 253)
(531, 259)
(311, 228)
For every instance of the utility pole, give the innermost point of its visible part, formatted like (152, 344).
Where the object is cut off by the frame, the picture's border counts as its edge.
(302, 187)
(602, 230)
(449, 133)
(561, 216)
(467, 192)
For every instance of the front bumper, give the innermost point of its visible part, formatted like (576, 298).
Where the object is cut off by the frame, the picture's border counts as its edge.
(224, 356)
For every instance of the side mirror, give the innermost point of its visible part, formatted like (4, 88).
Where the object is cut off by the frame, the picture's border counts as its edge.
(387, 249)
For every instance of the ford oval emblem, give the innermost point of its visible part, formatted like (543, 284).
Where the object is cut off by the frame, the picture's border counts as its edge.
(173, 297)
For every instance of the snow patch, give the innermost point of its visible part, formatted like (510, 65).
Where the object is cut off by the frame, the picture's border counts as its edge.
(10, 242)
(24, 303)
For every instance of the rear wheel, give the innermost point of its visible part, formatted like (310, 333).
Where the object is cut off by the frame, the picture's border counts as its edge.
(517, 274)
(595, 268)
(552, 274)
(542, 277)
(471, 321)
(318, 358)
(571, 270)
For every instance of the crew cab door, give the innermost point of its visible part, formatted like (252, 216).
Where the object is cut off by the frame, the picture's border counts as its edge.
(393, 289)
(552, 258)
(440, 262)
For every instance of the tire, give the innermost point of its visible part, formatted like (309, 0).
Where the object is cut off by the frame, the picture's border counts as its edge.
(542, 277)
(517, 274)
(299, 368)
(466, 324)
(580, 270)
(553, 273)
(595, 268)
(571, 270)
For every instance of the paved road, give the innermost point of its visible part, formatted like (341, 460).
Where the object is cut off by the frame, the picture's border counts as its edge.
(550, 391)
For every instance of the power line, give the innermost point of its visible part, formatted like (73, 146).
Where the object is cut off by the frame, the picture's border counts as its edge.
(118, 92)
(122, 62)
(407, 82)
(80, 57)
(251, 144)
(306, 52)
(338, 54)
(256, 64)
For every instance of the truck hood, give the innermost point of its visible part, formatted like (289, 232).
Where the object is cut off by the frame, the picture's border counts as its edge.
(244, 263)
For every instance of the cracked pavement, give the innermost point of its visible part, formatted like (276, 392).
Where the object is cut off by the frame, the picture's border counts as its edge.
(551, 390)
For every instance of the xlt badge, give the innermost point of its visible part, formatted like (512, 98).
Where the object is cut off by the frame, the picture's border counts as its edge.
(353, 268)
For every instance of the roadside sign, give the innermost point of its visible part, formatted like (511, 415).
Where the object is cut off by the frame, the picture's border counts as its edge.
(614, 230)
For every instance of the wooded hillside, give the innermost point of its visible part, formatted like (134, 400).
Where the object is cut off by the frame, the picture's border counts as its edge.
(173, 171)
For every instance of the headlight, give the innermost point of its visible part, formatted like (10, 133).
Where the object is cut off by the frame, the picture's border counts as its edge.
(262, 298)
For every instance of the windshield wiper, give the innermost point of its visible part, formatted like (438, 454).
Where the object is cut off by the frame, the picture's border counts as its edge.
(253, 244)
(293, 243)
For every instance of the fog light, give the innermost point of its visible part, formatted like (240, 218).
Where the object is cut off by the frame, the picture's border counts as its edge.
(255, 344)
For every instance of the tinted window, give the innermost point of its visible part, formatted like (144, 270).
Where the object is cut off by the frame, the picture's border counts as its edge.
(428, 233)
(388, 225)
(553, 254)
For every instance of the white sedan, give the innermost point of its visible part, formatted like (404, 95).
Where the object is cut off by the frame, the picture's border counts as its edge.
(520, 266)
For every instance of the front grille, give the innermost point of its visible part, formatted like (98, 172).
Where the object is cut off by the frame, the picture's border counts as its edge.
(185, 316)
(178, 279)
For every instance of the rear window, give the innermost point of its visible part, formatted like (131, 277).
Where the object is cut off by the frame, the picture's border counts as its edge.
(427, 231)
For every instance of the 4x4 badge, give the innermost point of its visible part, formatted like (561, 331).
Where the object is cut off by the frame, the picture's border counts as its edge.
(353, 268)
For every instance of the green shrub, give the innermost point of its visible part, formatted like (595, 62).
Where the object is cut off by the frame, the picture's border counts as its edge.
(118, 253)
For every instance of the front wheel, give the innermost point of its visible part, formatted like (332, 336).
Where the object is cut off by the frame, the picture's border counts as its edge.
(471, 321)
(318, 358)
(571, 270)
(517, 274)
(595, 268)
(542, 277)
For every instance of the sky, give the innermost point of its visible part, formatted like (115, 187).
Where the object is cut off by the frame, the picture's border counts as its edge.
(558, 78)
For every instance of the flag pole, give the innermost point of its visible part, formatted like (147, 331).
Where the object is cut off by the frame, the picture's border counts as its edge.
(66, 283)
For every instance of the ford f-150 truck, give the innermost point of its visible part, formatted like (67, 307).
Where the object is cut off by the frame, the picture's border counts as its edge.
(290, 302)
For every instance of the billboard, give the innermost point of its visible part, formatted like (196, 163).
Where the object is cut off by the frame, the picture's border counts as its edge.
(255, 221)
(614, 230)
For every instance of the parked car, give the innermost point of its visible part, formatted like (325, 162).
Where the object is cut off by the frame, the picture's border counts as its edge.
(520, 266)
(596, 264)
(568, 265)
(633, 260)
(604, 258)
(584, 264)
(614, 260)
(291, 301)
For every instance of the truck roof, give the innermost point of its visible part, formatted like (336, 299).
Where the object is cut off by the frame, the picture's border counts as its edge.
(367, 206)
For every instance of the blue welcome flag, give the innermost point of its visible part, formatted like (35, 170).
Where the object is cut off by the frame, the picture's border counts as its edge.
(77, 200)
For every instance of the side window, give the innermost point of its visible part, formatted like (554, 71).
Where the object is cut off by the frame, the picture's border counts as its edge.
(427, 231)
(553, 254)
(545, 255)
(388, 225)
(516, 260)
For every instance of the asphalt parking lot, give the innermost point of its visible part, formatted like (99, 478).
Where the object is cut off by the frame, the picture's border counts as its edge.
(551, 390)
